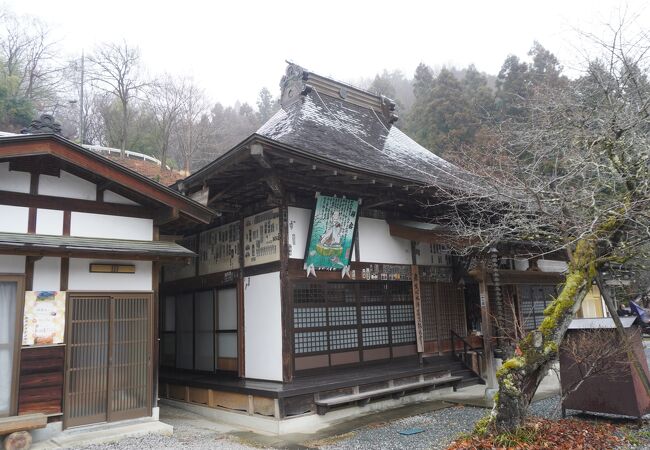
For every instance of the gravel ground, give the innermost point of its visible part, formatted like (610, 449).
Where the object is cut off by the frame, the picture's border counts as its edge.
(441, 427)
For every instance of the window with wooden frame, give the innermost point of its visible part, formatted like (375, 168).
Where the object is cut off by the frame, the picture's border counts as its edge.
(331, 317)
(200, 330)
(533, 300)
(11, 305)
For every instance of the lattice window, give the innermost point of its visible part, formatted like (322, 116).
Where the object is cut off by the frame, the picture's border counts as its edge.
(452, 310)
(400, 293)
(375, 336)
(309, 317)
(429, 323)
(309, 293)
(534, 299)
(343, 315)
(401, 313)
(344, 339)
(374, 314)
(309, 342)
(403, 334)
(341, 293)
(373, 293)
(334, 317)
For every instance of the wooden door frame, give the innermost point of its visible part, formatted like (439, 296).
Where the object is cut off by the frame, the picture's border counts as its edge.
(19, 279)
(150, 334)
(150, 347)
(238, 330)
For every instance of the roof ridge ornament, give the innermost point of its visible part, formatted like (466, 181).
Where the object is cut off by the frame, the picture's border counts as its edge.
(388, 109)
(43, 125)
(293, 84)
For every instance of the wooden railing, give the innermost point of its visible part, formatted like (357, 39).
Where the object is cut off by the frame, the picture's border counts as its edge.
(463, 354)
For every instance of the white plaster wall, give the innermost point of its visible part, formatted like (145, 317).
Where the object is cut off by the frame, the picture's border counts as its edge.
(80, 279)
(13, 181)
(299, 219)
(377, 245)
(49, 221)
(263, 326)
(112, 227)
(13, 219)
(112, 197)
(67, 185)
(549, 265)
(47, 274)
(12, 264)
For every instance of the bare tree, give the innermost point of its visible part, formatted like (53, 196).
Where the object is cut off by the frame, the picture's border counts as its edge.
(30, 59)
(192, 133)
(167, 98)
(573, 177)
(116, 70)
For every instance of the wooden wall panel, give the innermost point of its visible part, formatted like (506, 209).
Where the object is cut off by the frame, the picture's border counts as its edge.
(41, 380)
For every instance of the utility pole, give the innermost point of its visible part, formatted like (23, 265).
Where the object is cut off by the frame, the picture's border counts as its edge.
(81, 102)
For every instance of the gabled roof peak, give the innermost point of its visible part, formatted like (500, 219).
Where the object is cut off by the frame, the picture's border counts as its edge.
(298, 82)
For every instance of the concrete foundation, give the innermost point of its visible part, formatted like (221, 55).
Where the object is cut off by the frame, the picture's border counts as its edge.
(53, 436)
(306, 423)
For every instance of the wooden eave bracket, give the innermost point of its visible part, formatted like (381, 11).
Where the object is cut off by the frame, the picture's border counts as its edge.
(275, 185)
(257, 152)
(167, 216)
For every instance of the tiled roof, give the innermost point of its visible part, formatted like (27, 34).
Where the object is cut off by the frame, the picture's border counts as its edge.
(75, 244)
(347, 133)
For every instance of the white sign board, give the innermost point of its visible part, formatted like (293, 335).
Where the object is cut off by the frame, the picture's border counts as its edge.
(219, 249)
(262, 238)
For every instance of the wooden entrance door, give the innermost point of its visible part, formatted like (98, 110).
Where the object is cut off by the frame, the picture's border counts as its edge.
(443, 310)
(108, 358)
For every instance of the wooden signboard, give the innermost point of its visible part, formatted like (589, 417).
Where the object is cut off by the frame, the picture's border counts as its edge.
(417, 307)
(262, 238)
(219, 249)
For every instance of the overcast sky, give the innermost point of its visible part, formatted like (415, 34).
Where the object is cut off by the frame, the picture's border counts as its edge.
(233, 48)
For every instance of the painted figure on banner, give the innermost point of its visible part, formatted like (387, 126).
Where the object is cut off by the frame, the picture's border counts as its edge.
(332, 235)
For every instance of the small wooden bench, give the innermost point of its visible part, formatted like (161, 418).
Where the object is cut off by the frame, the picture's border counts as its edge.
(362, 398)
(17, 428)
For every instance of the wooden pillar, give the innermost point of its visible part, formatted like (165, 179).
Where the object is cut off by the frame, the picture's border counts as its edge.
(241, 318)
(417, 309)
(486, 330)
(155, 281)
(285, 295)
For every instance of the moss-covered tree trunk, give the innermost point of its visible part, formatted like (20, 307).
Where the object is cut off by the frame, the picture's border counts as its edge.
(520, 376)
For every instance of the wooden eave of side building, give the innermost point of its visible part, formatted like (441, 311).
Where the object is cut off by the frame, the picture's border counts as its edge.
(82, 247)
(48, 154)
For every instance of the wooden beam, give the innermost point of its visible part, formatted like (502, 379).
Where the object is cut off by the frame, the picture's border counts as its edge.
(32, 165)
(380, 203)
(34, 145)
(164, 217)
(257, 152)
(227, 207)
(105, 185)
(274, 183)
(65, 273)
(73, 204)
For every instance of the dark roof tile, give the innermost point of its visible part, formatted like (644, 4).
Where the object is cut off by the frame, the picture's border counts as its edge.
(352, 135)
